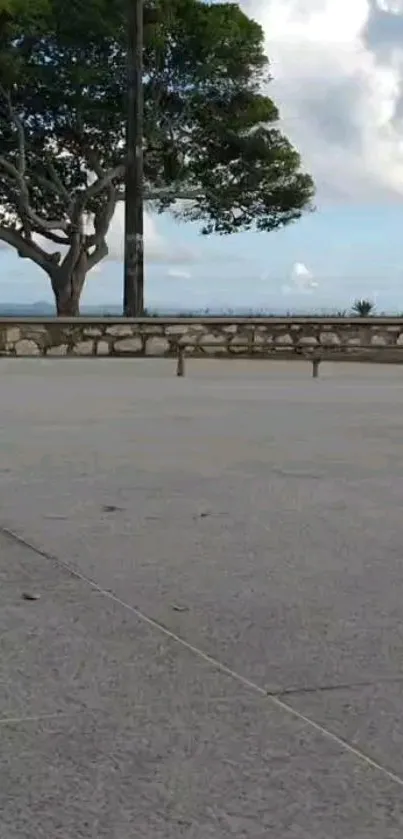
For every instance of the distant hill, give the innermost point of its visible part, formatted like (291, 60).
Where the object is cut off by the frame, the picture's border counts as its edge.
(47, 310)
(25, 309)
(44, 309)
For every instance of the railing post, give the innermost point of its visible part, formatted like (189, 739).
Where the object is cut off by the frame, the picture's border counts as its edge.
(316, 359)
(180, 367)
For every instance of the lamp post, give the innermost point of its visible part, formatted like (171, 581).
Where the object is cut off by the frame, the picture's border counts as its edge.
(133, 297)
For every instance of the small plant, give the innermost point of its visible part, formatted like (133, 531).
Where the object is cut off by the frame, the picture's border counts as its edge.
(341, 313)
(363, 308)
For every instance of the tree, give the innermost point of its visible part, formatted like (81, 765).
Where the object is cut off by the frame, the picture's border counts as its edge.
(363, 308)
(211, 135)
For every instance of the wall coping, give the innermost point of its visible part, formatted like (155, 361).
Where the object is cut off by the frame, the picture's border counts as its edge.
(263, 321)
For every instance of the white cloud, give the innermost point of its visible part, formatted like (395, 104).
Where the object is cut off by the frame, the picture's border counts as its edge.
(301, 281)
(339, 90)
(157, 248)
(302, 277)
(179, 274)
(394, 7)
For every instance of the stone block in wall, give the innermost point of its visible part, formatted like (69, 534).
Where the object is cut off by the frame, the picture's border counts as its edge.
(239, 349)
(284, 340)
(151, 329)
(329, 339)
(102, 348)
(27, 347)
(243, 340)
(92, 332)
(32, 330)
(59, 350)
(354, 342)
(176, 329)
(263, 339)
(210, 338)
(196, 327)
(399, 341)
(157, 346)
(129, 345)
(58, 333)
(217, 349)
(13, 334)
(37, 333)
(83, 348)
(120, 330)
(379, 341)
(307, 341)
(231, 329)
(189, 339)
(246, 330)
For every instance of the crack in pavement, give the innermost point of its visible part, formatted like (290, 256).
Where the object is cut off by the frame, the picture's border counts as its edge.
(300, 691)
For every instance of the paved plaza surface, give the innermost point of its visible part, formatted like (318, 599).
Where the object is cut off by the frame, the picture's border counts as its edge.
(215, 644)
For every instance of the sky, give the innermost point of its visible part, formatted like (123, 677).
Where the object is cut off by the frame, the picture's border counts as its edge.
(337, 68)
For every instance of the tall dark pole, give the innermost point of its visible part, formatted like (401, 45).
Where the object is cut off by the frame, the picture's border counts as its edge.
(133, 299)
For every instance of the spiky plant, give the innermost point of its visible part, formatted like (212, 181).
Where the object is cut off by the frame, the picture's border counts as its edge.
(363, 308)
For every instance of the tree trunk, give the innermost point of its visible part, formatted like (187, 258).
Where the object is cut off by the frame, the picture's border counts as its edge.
(67, 306)
(67, 289)
(67, 303)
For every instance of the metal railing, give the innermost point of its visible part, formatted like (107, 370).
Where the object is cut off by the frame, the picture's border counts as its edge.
(315, 355)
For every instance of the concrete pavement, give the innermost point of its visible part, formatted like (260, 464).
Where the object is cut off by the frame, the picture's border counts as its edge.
(245, 513)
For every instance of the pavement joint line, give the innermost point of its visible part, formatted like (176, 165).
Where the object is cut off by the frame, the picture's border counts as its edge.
(274, 700)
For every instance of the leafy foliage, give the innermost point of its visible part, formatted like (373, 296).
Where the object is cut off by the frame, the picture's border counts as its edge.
(211, 136)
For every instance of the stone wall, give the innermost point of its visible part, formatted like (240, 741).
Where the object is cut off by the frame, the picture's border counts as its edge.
(208, 336)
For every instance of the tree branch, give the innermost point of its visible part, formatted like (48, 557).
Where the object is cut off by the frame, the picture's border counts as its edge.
(49, 185)
(76, 241)
(23, 201)
(59, 185)
(19, 128)
(103, 182)
(27, 249)
(53, 237)
(18, 175)
(94, 163)
(100, 252)
(103, 218)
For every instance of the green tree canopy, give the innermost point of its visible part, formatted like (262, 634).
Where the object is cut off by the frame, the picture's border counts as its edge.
(211, 135)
